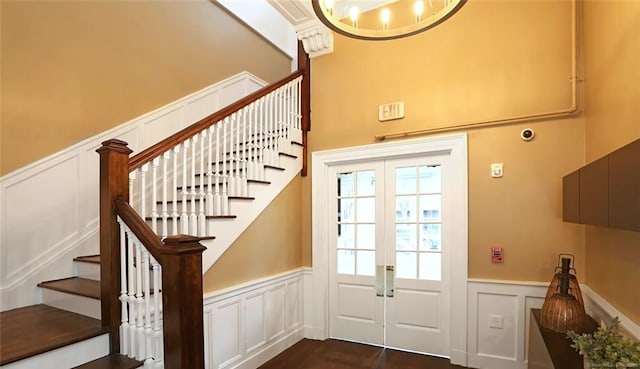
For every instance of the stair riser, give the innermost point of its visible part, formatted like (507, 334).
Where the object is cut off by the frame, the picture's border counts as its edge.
(66, 301)
(66, 357)
(88, 270)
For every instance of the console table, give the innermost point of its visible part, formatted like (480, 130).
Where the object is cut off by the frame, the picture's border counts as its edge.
(551, 350)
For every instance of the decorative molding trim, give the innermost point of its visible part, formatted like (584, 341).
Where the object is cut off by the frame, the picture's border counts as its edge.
(511, 301)
(316, 38)
(601, 310)
(33, 247)
(248, 324)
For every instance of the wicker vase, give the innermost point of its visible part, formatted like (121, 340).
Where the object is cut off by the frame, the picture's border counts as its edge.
(562, 312)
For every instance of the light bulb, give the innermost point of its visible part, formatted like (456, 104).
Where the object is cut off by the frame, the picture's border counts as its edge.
(353, 13)
(329, 4)
(418, 8)
(385, 14)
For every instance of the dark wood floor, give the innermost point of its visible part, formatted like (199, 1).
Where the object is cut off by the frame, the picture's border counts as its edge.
(335, 354)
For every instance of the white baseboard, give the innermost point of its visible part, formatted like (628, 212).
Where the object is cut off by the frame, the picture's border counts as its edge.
(248, 324)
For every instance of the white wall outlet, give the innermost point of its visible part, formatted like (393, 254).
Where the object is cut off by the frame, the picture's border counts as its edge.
(496, 321)
(496, 170)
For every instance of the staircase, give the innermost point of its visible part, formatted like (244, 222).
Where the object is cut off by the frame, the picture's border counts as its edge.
(179, 186)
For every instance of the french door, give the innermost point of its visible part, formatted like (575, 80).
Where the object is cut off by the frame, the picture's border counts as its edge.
(388, 257)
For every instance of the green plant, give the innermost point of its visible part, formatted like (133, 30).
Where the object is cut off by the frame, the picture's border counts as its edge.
(607, 348)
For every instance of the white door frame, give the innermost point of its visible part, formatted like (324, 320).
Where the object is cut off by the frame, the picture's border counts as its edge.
(317, 292)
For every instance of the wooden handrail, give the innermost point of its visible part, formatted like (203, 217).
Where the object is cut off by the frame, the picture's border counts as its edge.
(154, 151)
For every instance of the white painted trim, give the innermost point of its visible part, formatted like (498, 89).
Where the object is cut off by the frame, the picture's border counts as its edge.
(456, 146)
(488, 296)
(263, 18)
(601, 310)
(240, 321)
(38, 253)
(506, 348)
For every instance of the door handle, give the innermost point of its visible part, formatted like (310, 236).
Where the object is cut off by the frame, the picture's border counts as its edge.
(390, 279)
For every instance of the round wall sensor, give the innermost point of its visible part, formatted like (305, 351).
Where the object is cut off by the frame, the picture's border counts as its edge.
(527, 134)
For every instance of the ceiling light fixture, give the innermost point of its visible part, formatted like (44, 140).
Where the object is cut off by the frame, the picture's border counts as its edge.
(383, 19)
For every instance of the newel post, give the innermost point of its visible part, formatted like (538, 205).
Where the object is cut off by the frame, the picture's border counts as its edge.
(114, 183)
(182, 303)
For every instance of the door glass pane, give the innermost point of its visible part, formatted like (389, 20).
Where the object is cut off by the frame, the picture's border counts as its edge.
(346, 236)
(406, 265)
(430, 266)
(366, 209)
(430, 207)
(366, 236)
(366, 262)
(366, 183)
(345, 184)
(406, 180)
(346, 262)
(405, 208)
(405, 237)
(430, 179)
(346, 210)
(430, 237)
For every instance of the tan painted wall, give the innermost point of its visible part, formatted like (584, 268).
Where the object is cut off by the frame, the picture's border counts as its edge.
(72, 69)
(492, 59)
(271, 245)
(612, 57)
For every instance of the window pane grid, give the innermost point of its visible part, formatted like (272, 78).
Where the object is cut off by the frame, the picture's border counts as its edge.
(355, 249)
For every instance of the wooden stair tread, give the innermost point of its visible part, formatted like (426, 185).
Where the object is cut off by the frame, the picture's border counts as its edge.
(115, 361)
(92, 259)
(74, 285)
(159, 202)
(208, 217)
(35, 329)
(213, 184)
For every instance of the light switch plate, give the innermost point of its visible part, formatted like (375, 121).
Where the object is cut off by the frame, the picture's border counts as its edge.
(496, 170)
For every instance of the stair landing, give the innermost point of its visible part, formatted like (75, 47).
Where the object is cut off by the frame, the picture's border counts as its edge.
(32, 330)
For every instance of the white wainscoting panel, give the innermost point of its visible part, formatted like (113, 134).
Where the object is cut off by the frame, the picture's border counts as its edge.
(247, 325)
(510, 303)
(50, 209)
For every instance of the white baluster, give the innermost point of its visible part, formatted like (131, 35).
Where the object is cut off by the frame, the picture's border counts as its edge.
(131, 297)
(231, 158)
(203, 185)
(237, 190)
(132, 181)
(165, 187)
(174, 189)
(218, 195)
(148, 331)
(184, 217)
(124, 312)
(260, 142)
(140, 354)
(193, 215)
(246, 115)
(248, 141)
(154, 194)
(210, 174)
(225, 180)
(143, 191)
(157, 316)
